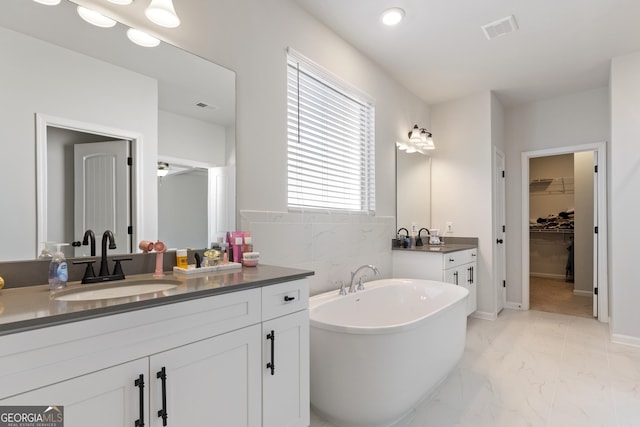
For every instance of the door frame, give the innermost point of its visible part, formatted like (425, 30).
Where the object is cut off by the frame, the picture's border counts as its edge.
(499, 268)
(600, 238)
(43, 121)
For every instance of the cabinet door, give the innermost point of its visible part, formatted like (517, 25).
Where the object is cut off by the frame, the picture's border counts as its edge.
(106, 398)
(285, 371)
(453, 275)
(214, 382)
(471, 271)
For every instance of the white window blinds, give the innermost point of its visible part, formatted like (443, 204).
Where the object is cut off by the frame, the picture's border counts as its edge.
(331, 142)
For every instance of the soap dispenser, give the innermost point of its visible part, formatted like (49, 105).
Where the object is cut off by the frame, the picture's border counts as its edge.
(58, 273)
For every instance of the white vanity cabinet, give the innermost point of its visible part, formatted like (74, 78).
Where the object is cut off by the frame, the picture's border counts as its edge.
(214, 381)
(201, 362)
(457, 267)
(285, 360)
(106, 398)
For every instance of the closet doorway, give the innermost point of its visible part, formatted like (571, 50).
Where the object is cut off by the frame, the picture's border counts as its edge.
(564, 249)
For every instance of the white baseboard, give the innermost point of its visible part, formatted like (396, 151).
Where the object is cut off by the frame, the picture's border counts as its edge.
(513, 305)
(626, 340)
(484, 315)
(583, 293)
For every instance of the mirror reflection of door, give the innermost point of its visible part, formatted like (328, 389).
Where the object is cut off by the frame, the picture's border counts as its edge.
(101, 193)
(61, 199)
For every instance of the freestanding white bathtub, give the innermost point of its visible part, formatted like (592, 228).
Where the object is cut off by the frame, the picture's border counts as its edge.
(375, 354)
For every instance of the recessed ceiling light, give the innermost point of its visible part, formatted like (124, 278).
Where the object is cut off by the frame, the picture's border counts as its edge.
(141, 38)
(95, 18)
(48, 2)
(392, 16)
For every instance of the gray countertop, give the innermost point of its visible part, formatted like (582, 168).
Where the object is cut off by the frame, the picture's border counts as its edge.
(33, 307)
(446, 248)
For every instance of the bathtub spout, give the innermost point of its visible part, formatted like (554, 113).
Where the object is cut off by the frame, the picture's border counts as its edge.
(360, 286)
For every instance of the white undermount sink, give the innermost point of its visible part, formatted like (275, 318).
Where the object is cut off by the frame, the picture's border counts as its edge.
(117, 290)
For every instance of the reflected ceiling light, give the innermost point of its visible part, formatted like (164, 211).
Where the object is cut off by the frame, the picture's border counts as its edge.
(420, 141)
(48, 2)
(163, 169)
(122, 2)
(141, 38)
(95, 18)
(392, 16)
(161, 12)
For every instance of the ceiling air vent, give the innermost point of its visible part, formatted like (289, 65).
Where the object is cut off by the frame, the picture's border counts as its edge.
(500, 27)
(205, 105)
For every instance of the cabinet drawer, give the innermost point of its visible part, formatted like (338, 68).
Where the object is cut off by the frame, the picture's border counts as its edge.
(458, 258)
(284, 298)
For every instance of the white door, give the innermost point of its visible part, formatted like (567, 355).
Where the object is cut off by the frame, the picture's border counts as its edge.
(106, 398)
(285, 388)
(500, 273)
(102, 199)
(214, 382)
(222, 203)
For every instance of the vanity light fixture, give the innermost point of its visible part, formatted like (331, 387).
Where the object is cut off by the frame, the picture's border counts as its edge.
(393, 16)
(141, 38)
(163, 169)
(95, 18)
(420, 141)
(48, 2)
(161, 12)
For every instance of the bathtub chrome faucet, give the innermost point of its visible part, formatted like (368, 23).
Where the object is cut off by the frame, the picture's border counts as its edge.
(360, 286)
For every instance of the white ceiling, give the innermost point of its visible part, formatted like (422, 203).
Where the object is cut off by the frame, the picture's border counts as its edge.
(440, 52)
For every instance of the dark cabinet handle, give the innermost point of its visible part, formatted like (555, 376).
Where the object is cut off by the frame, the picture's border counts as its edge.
(139, 382)
(287, 298)
(500, 241)
(162, 374)
(272, 365)
(455, 274)
(470, 270)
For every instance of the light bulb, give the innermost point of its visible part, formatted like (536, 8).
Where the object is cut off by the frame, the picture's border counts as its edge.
(161, 12)
(95, 18)
(141, 38)
(48, 2)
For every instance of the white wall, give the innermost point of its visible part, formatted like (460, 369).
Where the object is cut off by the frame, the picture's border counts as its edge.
(463, 181)
(624, 188)
(41, 78)
(251, 37)
(187, 138)
(574, 119)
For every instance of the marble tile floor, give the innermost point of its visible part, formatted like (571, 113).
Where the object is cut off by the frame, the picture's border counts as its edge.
(533, 368)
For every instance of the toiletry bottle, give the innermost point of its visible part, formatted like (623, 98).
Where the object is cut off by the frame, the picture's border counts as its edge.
(181, 258)
(225, 255)
(248, 245)
(58, 273)
(229, 246)
(237, 248)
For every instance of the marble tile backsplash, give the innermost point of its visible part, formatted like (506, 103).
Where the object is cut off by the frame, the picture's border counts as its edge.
(330, 244)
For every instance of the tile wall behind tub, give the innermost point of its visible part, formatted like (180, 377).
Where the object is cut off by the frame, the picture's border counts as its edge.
(332, 244)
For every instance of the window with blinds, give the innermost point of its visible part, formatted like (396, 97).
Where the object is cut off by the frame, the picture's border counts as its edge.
(331, 144)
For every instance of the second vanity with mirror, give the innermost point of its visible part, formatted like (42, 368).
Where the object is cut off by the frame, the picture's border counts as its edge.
(227, 348)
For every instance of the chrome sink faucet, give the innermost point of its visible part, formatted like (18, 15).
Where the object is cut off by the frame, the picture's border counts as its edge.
(360, 286)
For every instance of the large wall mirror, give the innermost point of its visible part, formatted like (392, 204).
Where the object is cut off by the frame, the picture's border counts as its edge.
(413, 190)
(75, 99)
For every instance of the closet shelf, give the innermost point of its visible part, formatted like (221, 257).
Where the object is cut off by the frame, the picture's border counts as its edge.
(560, 185)
(552, 230)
